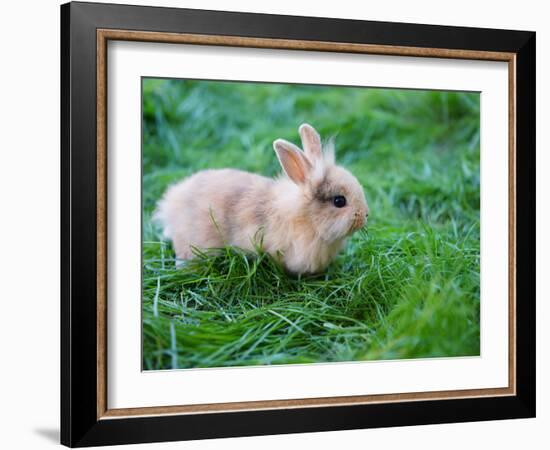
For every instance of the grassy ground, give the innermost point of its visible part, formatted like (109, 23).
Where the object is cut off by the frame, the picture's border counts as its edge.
(406, 288)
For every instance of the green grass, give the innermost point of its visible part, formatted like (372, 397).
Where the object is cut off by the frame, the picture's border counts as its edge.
(408, 287)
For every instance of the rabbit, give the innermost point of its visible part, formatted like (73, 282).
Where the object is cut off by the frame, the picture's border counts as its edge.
(302, 218)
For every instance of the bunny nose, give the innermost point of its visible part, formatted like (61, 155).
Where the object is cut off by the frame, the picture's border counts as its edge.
(359, 219)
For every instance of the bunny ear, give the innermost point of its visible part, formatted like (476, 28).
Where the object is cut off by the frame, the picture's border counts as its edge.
(311, 141)
(292, 160)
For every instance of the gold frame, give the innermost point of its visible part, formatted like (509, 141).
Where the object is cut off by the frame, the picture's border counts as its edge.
(103, 36)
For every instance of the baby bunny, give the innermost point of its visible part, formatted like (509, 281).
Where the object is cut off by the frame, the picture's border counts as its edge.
(301, 219)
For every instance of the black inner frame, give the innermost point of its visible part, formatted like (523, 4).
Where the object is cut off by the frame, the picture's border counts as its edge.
(79, 423)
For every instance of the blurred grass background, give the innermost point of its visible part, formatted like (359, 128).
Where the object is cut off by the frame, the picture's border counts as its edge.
(406, 288)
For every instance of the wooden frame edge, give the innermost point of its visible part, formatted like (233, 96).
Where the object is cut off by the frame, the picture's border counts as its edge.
(512, 266)
(103, 35)
(212, 408)
(101, 223)
(290, 44)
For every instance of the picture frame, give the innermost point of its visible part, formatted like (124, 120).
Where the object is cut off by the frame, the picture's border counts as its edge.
(86, 29)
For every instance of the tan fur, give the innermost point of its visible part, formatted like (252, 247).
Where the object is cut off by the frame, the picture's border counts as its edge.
(292, 217)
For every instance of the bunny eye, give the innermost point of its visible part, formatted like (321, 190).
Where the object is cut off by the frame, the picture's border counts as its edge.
(339, 201)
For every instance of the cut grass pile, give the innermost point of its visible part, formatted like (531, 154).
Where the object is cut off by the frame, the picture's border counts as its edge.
(408, 287)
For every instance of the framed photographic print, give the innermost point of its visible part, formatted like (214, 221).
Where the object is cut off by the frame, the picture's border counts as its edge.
(276, 224)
